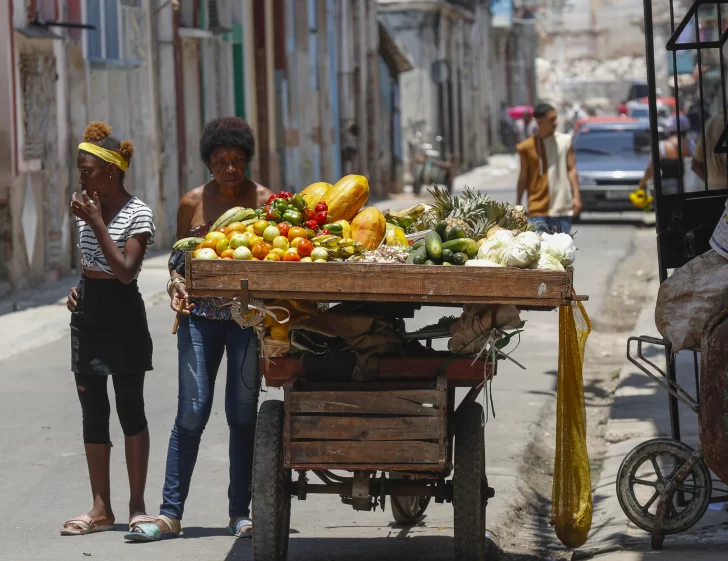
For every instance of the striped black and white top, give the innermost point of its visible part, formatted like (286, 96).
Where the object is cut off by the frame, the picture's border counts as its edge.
(134, 218)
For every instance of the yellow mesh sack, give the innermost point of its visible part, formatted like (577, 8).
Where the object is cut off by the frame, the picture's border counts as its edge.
(571, 509)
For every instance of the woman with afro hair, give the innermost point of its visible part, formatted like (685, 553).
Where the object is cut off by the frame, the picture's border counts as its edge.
(109, 333)
(206, 333)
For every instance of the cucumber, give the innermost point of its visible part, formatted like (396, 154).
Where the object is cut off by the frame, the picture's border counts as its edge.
(455, 233)
(447, 256)
(418, 244)
(429, 262)
(472, 248)
(433, 244)
(459, 258)
(441, 229)
(410, 259)
(461, 245)
(419, 256)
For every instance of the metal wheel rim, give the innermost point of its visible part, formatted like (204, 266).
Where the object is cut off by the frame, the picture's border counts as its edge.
(697, 486)
(416, 505)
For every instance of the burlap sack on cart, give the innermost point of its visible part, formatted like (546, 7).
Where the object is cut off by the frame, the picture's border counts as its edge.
(571, 509)
(690, 298)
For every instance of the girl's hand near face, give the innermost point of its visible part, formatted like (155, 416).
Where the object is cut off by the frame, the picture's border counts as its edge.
(87, 210)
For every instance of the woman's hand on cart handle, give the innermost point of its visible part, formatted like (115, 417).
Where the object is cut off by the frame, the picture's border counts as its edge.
(72, 301)
(179, 299)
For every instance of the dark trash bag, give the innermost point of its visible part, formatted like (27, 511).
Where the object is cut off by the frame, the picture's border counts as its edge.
(714, 395)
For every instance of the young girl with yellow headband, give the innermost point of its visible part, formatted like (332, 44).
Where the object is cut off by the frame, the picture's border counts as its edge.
(109, 333)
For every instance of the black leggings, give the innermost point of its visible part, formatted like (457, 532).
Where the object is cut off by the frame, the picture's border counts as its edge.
(129, 390)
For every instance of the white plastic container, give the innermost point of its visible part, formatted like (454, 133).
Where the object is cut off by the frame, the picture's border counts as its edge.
(719, 239)
(413, 238)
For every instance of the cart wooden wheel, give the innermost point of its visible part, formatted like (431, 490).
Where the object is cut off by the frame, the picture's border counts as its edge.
(642, 479)
(470, 485)
(407, 511)
(271, 486)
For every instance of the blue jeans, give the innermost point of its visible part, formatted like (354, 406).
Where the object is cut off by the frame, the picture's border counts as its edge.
(561, 224)
(201, 344)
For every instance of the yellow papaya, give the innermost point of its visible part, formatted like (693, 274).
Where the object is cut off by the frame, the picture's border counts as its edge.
(314, 193)
(369, 228)
(347, 197)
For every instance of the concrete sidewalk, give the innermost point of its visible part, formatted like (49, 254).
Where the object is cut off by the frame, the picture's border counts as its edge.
(640, 413)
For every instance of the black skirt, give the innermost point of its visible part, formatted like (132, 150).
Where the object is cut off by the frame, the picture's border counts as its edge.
(109, 332)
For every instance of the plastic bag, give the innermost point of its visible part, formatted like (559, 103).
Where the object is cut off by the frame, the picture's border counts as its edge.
(688, 300)
(560, 246)
(571, 509)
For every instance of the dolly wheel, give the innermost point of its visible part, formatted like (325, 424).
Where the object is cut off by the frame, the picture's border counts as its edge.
(407, 511)
(470, 485)
(271, 486)
(642, 480)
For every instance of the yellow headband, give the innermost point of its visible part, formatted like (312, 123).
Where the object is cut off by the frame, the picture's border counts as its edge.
(105, 155)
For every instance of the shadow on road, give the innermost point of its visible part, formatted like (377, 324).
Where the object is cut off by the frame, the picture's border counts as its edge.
(391, 548)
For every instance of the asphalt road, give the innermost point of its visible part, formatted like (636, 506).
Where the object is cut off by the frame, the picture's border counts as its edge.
(43, 471)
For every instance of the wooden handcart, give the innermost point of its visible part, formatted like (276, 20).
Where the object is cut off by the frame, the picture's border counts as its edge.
(399, 436)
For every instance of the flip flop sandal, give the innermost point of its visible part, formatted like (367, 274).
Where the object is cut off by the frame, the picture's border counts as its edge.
(84, 525)
(142, 533)
(242, 528)
(139, 518)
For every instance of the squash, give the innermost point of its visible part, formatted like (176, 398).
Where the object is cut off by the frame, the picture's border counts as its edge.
(314, 193)
(369, 228)
(347, 197)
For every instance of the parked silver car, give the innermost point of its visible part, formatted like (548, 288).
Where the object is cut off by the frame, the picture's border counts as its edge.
(611, 158)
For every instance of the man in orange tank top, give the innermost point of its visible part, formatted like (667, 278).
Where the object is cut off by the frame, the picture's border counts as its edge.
(548, 174)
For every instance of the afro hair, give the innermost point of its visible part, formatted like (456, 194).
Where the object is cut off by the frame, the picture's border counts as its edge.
(227, 132)
(100, 133)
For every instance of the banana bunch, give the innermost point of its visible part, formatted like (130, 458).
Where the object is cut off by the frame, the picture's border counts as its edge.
(337, 247)
(235, 214)
(187, 244)
(407, 217)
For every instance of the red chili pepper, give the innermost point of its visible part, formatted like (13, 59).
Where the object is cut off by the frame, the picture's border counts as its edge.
(285, 195)
(272, 198)
(321, 217)
(311, 224)
(321, 207)
(266, 208)
(325, 233)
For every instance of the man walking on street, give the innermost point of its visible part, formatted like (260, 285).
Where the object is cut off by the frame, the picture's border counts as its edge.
(548, 174)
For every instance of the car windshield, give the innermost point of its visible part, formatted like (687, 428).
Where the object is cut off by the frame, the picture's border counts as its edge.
(613, 142)
(640, 113)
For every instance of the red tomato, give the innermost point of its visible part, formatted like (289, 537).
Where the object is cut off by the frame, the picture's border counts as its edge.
(305, 247)
(292, 255)
(260, 250)
(283, 228)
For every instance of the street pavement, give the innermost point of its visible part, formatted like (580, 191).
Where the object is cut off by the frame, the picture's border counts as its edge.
(44, 479)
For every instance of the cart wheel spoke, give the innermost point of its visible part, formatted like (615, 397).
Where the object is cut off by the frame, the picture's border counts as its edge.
(644, 482)
(656, 467)
(649, 503)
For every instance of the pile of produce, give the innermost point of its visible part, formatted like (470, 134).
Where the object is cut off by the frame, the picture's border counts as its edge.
(328, 223)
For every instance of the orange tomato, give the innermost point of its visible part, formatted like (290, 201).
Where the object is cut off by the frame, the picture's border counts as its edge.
(272, 257)
(253, 240)
(304, 248)
(198, 246)
(283, 228)
(235, 227)
(221, 230)
(291, 255)
(227, 253)
(260, 250)
(278, 251)
(260, 226)
(297, 232)
(211, 244)
(228, 258)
